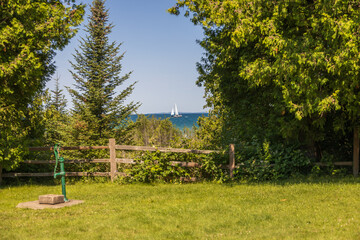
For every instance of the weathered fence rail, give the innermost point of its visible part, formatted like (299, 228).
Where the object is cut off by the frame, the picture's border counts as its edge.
(113, 160)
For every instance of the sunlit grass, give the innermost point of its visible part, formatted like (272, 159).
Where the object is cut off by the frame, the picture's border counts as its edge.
(191, 211)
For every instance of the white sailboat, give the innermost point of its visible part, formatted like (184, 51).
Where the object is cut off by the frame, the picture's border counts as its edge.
(175, 112)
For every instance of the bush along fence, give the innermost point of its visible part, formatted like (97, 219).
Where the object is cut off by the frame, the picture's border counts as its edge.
(113, 161)
(148, 166)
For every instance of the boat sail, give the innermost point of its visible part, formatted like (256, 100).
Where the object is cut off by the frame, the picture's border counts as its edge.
(175, 112)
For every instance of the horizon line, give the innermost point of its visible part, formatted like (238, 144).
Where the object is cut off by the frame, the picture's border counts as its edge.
(167, 113)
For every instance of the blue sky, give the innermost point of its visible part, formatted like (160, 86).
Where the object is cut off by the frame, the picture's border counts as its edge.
(160, 49)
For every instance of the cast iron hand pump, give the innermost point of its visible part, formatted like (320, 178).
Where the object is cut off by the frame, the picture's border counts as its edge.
(62, 169)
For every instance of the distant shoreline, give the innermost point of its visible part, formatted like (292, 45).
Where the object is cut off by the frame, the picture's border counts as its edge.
(169, 113)
(187, 120)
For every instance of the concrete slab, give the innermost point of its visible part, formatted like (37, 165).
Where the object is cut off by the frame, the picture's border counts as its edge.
(36, 205)
(51, 199)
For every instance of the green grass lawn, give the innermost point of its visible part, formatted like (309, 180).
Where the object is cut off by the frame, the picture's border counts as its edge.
(323, 210)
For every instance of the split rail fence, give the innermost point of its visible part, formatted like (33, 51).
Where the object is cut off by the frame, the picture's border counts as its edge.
(113, 160)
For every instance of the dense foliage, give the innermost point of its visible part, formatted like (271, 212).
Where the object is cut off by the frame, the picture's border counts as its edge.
(281, 78)
(281, 71)
(154, 132)
(30, 32)
(165, 167)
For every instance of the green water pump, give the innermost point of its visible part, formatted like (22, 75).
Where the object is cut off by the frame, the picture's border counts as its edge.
(62, 169)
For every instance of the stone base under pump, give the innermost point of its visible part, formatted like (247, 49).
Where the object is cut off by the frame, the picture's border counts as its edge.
(49, 201)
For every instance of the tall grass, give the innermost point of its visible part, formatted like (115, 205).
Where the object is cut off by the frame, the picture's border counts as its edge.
(323, 210)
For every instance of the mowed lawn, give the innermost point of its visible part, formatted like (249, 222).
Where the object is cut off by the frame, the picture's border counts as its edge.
(325, 210)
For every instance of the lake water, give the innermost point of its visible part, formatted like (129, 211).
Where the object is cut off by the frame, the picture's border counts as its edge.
(187, 120)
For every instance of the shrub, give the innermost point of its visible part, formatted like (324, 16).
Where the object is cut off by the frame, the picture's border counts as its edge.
(158, 167)
(266, 161)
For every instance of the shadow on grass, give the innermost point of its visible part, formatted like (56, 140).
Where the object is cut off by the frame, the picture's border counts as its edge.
(300, 180)
(50, 181)
(26, 181)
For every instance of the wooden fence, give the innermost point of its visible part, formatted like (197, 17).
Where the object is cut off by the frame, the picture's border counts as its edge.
(113, 160)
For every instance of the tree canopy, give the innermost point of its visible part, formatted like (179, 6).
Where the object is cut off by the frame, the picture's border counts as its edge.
(288, 66)
(30, 33)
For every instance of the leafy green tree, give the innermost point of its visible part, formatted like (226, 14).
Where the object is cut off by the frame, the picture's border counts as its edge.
(155, 132)
(98, 112)
(280, 69)
(209, 132)
(30, 33)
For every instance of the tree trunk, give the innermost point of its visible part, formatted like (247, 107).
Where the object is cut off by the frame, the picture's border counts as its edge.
(356, 152)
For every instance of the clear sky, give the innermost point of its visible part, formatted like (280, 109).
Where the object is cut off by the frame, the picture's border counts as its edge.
(160, 49)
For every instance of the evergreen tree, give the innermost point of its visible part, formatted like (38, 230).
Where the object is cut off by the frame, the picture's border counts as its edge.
(58, 99)
(99, 112)
(56, 116)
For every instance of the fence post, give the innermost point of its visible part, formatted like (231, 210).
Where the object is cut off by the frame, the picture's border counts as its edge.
(356, 152)
(232, 160)
(112, 159)
(0, 174)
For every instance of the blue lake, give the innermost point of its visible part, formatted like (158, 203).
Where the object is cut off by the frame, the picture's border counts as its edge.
(187, 120)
